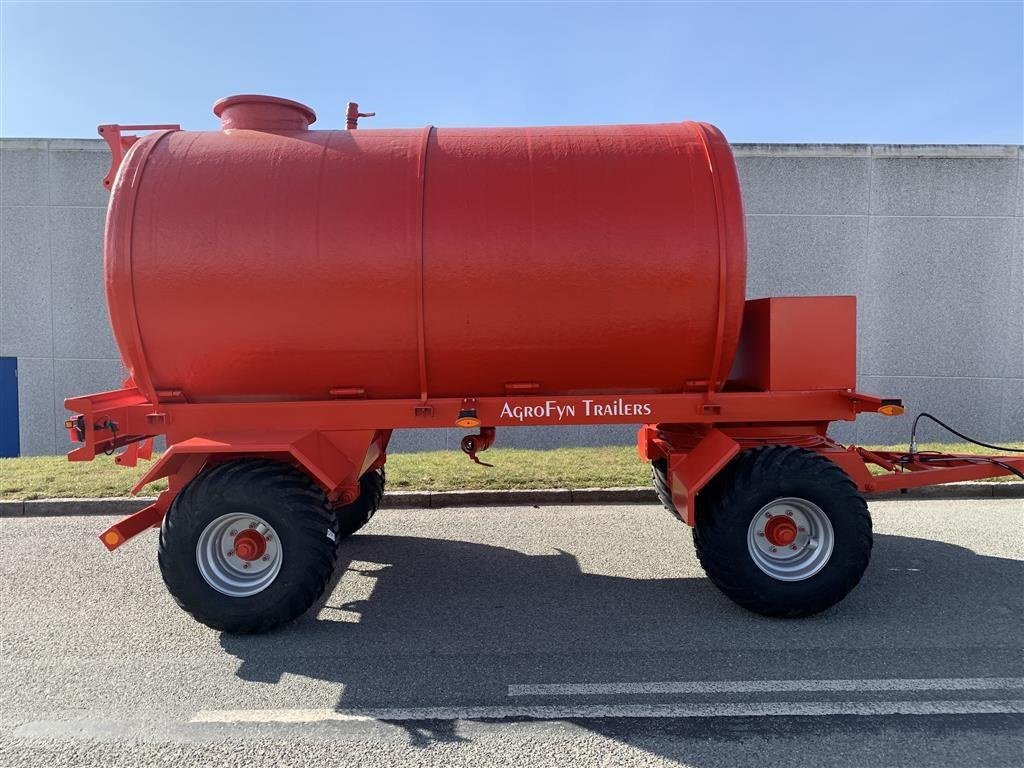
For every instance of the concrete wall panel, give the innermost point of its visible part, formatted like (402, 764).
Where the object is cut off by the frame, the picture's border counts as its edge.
(552, 437)
(1019, 210)
(940, 298)
(805, 255)
(414, 440)
(25, 294)
(586, 435)
(81, 328)
(23, 172)
(1015, 320)
(1012, 412)
(955, 186)
(36, 415)
(76, 177)
(974, 406)
(804, 185)
(613, 434)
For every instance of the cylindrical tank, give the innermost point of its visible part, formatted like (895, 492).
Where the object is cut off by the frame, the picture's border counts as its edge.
(267, 261)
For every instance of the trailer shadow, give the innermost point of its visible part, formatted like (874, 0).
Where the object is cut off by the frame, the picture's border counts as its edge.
(417, 622)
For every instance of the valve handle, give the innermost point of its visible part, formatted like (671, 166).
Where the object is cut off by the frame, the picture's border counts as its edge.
(352, 115)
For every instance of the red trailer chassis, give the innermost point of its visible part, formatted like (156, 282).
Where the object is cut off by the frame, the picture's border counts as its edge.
(794, 376)
(260, 493)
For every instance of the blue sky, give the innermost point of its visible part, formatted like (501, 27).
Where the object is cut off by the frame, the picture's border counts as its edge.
(802, 72)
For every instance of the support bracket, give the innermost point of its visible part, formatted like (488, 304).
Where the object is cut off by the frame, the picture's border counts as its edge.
(691, 471)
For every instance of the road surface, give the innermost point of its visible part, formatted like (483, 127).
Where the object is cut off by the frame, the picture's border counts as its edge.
(551, 636)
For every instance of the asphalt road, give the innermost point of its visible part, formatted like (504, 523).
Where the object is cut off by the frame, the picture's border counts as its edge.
(568, 636)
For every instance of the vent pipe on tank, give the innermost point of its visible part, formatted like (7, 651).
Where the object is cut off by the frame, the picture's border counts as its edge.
(252, 112)
(352, 115)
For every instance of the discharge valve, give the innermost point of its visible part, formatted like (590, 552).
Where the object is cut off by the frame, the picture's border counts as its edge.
(473, 444)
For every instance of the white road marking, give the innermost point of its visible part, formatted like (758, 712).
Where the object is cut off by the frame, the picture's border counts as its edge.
(756, 709)
(278, 716)
(772, 686)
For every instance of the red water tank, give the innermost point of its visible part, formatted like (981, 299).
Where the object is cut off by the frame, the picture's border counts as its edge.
(267, 261)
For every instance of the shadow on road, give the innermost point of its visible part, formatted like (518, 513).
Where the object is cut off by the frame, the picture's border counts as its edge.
(420, 622)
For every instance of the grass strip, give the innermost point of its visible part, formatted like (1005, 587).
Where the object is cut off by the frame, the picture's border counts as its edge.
(54, 477)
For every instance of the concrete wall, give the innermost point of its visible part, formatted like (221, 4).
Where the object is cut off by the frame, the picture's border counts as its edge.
(930, 239)
(53, 314)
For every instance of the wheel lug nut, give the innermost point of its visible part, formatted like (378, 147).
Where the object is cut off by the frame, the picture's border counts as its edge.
(767, 514)
(231, 553)
(794, 547)
(245, 565)
(789, 513)
(267, 557)
(775, 549)
(801, 529)
(232, 532)
(760, 533)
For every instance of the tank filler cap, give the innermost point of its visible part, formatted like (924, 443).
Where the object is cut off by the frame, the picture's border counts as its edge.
(272, 114)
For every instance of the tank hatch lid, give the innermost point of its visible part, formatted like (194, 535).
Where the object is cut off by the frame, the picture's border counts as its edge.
(255, 112)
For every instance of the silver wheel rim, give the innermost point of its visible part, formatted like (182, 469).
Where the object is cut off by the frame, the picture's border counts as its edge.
(810, 548)
(226, 570)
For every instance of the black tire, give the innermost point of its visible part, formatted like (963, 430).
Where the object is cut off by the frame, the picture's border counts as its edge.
(659, 478)
(294, 506)
(755, 478)
(354, 516)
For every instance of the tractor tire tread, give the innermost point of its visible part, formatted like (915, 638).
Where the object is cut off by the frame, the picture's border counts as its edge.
(354, 516)
(265, 487)
(725, 507)
(659, 478)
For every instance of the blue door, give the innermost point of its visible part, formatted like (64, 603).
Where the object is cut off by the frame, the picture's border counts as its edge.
(9, 442)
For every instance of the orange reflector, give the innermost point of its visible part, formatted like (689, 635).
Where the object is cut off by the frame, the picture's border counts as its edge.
(468, 422)
(111, 539)
(891, 410)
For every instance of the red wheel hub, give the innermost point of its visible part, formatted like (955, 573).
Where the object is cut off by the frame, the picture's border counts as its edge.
(780, 531)
(250, 545)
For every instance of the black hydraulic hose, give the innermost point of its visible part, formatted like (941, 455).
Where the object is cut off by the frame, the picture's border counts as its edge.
(924, 458)
(961, 435)
(1008, 468)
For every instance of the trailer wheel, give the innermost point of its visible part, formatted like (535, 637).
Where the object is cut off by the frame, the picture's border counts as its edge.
(783, 531)
(354, 516)
(248, 545)
(659, 478)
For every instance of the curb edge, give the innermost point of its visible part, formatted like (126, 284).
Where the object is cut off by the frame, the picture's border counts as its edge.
(10, 508)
